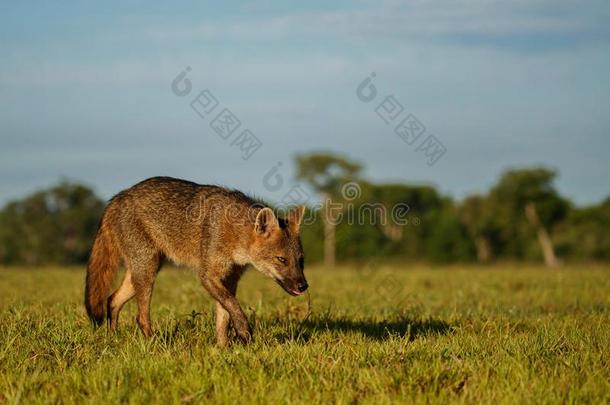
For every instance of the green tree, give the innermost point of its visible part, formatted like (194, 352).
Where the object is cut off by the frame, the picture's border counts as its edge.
(448, 240)
(525, 202)
(327, 173)
(50, 226)
(584, 235)
(419, 205)
(477, 216)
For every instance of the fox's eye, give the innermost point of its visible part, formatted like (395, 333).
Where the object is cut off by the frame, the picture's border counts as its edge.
(281, 259)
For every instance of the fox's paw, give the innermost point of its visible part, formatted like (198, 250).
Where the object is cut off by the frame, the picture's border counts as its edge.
(144, 327)
(245, 337)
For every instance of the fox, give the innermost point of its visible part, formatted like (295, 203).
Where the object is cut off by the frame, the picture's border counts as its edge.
(216, 231)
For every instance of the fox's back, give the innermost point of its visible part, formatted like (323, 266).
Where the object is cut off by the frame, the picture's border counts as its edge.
(178, 216)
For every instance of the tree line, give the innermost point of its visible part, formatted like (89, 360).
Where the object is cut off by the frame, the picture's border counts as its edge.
(521, 218)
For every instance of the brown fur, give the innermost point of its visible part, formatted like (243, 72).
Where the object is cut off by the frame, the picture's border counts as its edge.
(214, 230)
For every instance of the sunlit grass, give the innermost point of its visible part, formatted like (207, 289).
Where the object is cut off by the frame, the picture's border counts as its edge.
(365, 333)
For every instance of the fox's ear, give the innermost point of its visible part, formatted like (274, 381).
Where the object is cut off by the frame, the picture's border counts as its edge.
(295, 217)
(266, 222)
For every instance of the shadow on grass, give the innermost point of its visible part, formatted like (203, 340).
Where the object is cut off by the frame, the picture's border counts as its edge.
(400, 326)
(376, 330)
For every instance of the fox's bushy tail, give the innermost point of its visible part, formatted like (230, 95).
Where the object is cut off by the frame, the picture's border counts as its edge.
(101, 269)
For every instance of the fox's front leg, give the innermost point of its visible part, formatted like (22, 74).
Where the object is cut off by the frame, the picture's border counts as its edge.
(223, 318)
(227, 308)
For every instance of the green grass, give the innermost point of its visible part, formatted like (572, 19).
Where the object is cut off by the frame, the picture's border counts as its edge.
(374, 335)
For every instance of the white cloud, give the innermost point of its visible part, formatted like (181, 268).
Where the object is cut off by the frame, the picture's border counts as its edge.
(406, 27)
(404, 20)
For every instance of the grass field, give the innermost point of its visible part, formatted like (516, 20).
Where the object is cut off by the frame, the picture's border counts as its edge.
(374, 334)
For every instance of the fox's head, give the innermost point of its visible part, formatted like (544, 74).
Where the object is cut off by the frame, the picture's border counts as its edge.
(276, 250)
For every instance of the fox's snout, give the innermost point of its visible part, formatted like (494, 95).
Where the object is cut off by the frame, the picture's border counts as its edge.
(302, 286)
(294, 287)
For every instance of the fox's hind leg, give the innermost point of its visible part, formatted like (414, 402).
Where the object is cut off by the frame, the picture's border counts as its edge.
(119, 298)
(143, 273)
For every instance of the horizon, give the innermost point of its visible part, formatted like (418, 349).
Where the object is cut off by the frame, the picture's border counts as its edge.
(312, 198)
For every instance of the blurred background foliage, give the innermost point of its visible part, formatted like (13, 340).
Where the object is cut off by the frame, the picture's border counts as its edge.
(521, 218)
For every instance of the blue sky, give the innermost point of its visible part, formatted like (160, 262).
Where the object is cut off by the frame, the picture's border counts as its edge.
(85, 90)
